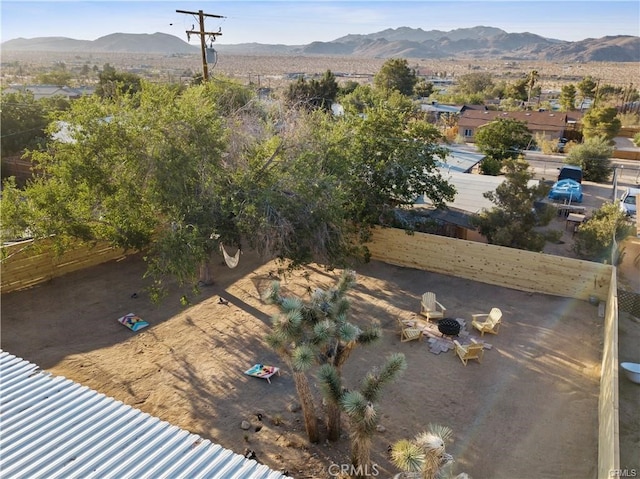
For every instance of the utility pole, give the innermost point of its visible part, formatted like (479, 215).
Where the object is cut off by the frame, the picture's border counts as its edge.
(203, 37)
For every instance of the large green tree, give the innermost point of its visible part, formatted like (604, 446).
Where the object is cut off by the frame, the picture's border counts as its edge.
(313, 93)
(568, 97)
(513, 220)
(472, 83)
(601, 122)
(500, 140)
(595, 238)
(594, 157)
(386, 157)
(587, 87)
(143, 172)
(24, 120)
(395, 74)
(112, 83)
(175, 172)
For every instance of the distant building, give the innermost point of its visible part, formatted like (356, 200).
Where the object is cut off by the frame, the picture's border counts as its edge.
(436, 110)
(551, 124)
(49, 91)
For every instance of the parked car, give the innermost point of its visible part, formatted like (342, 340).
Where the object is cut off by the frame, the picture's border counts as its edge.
(628, 201)
(570, 171)
(566, 190)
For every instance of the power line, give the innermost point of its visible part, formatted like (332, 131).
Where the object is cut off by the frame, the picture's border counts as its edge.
(203, 36)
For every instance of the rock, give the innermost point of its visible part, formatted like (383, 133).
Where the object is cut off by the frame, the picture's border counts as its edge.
(381, 428)
(293, 407)
(246, 425)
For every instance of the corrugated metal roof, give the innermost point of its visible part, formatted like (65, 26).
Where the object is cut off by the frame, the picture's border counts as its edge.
(460, 160)
(52, 427)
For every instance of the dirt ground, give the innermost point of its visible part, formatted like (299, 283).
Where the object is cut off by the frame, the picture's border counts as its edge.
(529, 410)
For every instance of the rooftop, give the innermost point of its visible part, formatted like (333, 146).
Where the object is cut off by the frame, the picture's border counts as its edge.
(55, 428)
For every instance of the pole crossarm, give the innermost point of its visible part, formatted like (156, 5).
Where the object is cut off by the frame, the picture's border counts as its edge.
(200, 13)
(198, 32)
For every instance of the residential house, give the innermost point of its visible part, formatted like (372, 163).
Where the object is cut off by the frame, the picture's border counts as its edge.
(49, 91)
(437, 110)
(552, 125)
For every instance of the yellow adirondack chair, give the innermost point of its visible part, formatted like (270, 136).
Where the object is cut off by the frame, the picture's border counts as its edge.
(409, 332)
(491, 323)
(430, 308)
(469, 351)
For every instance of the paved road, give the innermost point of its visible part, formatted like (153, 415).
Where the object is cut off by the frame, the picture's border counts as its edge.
(546, 166)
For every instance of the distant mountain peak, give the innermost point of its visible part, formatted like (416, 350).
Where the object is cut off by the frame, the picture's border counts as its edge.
(480, 42)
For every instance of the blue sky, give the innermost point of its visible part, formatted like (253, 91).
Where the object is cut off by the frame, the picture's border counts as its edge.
(304, 21)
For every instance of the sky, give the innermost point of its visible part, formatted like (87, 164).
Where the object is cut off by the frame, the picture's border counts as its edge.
(304, 21)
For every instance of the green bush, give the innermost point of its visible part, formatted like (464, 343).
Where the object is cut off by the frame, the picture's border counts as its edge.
(594, 239)
(594, 156)
(636, 139)
(490, 166)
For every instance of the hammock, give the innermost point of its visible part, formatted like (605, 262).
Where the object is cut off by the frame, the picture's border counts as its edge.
(232, 261)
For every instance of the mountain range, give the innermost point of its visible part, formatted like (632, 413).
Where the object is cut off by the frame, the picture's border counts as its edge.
(464, 43)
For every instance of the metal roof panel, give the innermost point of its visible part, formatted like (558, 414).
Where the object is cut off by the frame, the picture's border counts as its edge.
(52, 427)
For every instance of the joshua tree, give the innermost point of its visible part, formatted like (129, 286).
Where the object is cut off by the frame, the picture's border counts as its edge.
(425, 456)
(360, 406)
(316, 332)
(532, 78)
(340, 338)
(289, 340)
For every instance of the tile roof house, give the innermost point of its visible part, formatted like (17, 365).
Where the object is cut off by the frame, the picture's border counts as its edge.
(552, 124)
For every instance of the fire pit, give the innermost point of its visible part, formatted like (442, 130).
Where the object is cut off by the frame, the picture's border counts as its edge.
(449, 327)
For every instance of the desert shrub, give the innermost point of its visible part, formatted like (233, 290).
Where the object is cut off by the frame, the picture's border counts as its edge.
(546, 146)
(629, 119)
(490, 166)
(594, 239)
(451, 134)
(636, 139)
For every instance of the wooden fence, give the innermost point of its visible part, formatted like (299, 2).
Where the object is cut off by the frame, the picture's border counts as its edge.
(608, 401)
(507, 267)
(29, 263)
(626, 154)
(17, 166)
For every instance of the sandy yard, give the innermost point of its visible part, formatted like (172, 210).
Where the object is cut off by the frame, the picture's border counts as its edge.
(529, 410)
